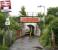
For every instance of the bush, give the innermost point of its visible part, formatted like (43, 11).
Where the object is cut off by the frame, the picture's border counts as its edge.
(45, 39)
(3, 48)
(1, 36)
(55, 30)
(9, 37)
(1, 39)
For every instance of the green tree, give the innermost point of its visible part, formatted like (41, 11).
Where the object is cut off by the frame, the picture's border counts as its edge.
(2, 20)
(45, 39)
(14, 24)
(54, 26)
(48, 19)
(53, 11)
(23, 12)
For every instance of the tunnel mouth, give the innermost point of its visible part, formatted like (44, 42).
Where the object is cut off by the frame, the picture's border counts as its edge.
(31, 27)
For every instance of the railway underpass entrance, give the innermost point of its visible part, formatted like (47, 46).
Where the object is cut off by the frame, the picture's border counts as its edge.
(29, 26)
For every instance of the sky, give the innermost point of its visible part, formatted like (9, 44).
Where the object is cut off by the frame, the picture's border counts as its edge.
(32, 5)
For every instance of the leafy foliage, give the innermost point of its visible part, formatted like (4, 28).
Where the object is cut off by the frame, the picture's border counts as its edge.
(23, 12)
(51, 22)
(45, 39)
(14, 24)
(2, 20)
(3, 48)
(48, 19)
(55, 30)
(53, 11)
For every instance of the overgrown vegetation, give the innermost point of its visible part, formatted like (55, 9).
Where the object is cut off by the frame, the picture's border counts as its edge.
(23, 12)
(50, 22)
(55, 30)
(7, 35)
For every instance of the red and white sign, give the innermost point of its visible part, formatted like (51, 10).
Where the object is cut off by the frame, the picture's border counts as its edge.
(29, 19)
(5, 3)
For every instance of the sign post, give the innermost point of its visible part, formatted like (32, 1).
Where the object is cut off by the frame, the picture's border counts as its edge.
(5, 6)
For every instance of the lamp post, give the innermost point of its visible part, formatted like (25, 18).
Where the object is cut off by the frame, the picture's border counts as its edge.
(43, 19)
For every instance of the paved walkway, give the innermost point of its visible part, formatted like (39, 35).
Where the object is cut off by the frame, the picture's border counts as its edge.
(26, 43)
